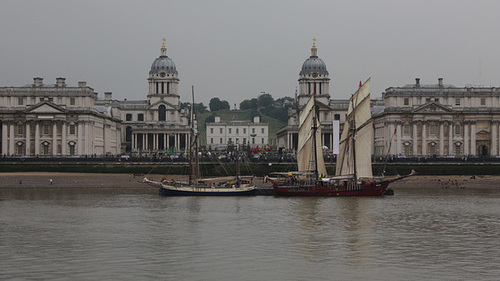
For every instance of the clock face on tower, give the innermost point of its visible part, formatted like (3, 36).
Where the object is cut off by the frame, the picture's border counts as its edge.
(162, 74)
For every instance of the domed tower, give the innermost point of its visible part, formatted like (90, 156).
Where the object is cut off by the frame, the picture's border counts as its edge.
(163, 80)
(313, 79)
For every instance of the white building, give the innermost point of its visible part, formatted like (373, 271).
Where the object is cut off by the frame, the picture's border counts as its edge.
(61, 120)
(56, 119)
(439, 120)
(221, 134)
(313, 80)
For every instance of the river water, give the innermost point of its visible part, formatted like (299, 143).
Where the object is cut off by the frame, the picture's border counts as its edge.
(134, 234)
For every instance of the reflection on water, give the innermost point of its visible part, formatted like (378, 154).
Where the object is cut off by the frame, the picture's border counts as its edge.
(418, 234)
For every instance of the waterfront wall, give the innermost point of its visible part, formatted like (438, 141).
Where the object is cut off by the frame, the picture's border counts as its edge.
(257, 169)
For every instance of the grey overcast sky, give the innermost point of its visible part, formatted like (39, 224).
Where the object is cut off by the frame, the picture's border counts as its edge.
(236, 49)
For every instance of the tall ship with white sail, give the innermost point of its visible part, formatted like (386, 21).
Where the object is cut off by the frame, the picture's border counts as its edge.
(353, 175)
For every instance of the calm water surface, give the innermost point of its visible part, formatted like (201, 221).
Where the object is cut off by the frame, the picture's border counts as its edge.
(134, 234)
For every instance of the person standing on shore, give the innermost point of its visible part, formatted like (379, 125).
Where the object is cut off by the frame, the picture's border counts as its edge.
(50, 181)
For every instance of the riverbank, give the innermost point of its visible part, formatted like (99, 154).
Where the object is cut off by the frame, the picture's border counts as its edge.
(93, 180)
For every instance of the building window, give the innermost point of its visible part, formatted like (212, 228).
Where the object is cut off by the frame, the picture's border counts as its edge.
(51, 99)
(237, 140)
(406, 130)
(458, 149)
(262, 130)
(211, 140)
(262, 140)
(229, 140)
(45, 149)
(220, 141)
(427, 99)
(42, 99)
(483, 101)
(407, 150)
(45, 129)
(71, 129)
(253, 130)
(140, 117)
(244, 130)
(72, 101)
(336, 117)
(244, 140)
(20, 101)
(71, 149)
(20, 129)
(20, 149)
(211, 130)
(432, 129)
(253, 140)
(162, 113)
(229, 130)
(128, 117)
(432, 149)
(457, 130)
(457, 101)
(237, 131)
(436, 99)
(221, 131)
(406, 101)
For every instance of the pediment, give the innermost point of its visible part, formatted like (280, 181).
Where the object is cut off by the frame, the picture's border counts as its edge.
(432, 107)
(167, 105)
(45, 107)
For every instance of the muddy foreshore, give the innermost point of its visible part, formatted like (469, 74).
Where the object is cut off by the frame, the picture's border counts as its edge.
(90, 180)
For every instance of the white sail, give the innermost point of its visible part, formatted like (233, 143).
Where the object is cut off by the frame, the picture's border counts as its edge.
(357, 141)
(305, 152)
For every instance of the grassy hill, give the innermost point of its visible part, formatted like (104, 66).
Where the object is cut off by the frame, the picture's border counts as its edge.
(230, 115)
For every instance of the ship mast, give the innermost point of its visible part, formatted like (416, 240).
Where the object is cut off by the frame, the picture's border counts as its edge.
(315, 129)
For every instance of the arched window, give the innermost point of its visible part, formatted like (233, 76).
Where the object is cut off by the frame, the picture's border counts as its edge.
(162, 113)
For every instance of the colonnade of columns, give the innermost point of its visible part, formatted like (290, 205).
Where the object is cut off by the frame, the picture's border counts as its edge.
(466, 138)
(156, 141)
(25, 141)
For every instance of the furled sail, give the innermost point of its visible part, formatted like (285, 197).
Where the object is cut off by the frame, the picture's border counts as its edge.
(357, 136)
(306, 159)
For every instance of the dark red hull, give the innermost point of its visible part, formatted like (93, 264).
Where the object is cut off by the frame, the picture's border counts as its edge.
(318, 189)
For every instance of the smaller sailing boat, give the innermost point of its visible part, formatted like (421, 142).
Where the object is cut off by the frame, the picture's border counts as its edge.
(353, 168)
(195, 186)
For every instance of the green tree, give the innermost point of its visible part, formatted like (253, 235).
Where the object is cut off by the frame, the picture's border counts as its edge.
(265, 100)
(214, 104)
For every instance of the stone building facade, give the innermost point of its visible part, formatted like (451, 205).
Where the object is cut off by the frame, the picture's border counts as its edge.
(56, 120)
(313, 80)
(252, 134)
(439, 120)
(60, 120)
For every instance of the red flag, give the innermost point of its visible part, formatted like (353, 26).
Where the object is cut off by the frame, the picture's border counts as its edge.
(395, 129)
(360, 84)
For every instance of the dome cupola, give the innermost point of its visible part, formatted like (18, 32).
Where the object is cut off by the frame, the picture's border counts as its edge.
(314, 65)
(163, 64)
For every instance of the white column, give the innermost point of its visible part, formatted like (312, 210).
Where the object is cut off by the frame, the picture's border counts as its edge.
(87, 138)
(28, 139)
(424, 139)
(415, 139)
(450, 138)
(441, 138)
(64, 133)
(473, 139)
(11, 139)
(398, 135)
(37, 138)
(494, 142)
(4, 138)
(466, 138)
(80, 138)
(168, 140)
(54, 138)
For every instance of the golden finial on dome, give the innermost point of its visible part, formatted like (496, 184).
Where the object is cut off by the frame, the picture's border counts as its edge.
(314, 43)
(163, 46)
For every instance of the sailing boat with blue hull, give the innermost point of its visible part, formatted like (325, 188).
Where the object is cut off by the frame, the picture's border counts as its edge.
(353, 168)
